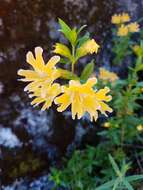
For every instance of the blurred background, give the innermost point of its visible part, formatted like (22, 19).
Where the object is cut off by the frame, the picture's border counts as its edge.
(30, 140)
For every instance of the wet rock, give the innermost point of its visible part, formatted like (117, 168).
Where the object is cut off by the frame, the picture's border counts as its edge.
(8, 138)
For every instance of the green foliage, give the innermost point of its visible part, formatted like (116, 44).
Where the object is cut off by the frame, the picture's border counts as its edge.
(72, 53)
(121, 48)
(70, 34)
(121, 181)
(90, 169)
(88, 70)
(80, 173)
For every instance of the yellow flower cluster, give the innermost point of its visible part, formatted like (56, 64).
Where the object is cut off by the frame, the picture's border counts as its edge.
(83, 98)
(44, 90)
(120, 18)
(107, 75)
(140, 127)
(124, 29)
(41, 78)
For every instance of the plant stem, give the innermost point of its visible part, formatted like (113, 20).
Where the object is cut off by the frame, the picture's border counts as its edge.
(122, 134)
(72, 68)
(73, 55)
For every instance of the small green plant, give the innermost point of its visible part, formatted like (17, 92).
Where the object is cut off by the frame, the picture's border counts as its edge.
(78, 172)
(121, 181)
(82, 170)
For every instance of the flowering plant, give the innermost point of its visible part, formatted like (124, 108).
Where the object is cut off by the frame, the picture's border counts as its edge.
(123, 31)
(79, 92)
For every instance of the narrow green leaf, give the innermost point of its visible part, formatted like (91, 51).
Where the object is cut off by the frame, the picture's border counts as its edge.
(134, 178)
(106, 186)
(127, 184)
(83, 39)
(63, 50)
(115, 166)
(88, 70)
(81, 28)
(73, 36)
(65, 29)
(70, 34)
(116, 184)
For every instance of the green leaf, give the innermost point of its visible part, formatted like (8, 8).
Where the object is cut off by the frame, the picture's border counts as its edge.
(128, 185)
(73, 36)
(63, 50)
(88, 70)
(116, 184)
(134, 178)
(106, 186)
(83, 39)
(65, 29)
(68, 75)
(115, 166)
(139, 68)
(70, 34)
(81, 28)
(140, 84)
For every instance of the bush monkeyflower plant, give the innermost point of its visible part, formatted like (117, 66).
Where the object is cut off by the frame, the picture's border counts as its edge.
(84, 93)
(79, 92)
(121, 134)
(123, 31)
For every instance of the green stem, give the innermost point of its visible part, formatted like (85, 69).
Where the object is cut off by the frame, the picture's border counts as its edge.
(122, 134)
(72, 68)
(73, 55)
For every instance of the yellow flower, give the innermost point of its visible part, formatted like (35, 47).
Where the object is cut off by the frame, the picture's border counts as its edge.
(123, 30)
(89, 47)
(83, 98)
(125, 17)
(46, 98)
(140, 127)
(63, 50)
(106, 125)
(116, 19)
(133, 27)
(42, 74)
(107, 75)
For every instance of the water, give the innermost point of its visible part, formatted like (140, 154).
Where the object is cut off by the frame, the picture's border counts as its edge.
(31, 140)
